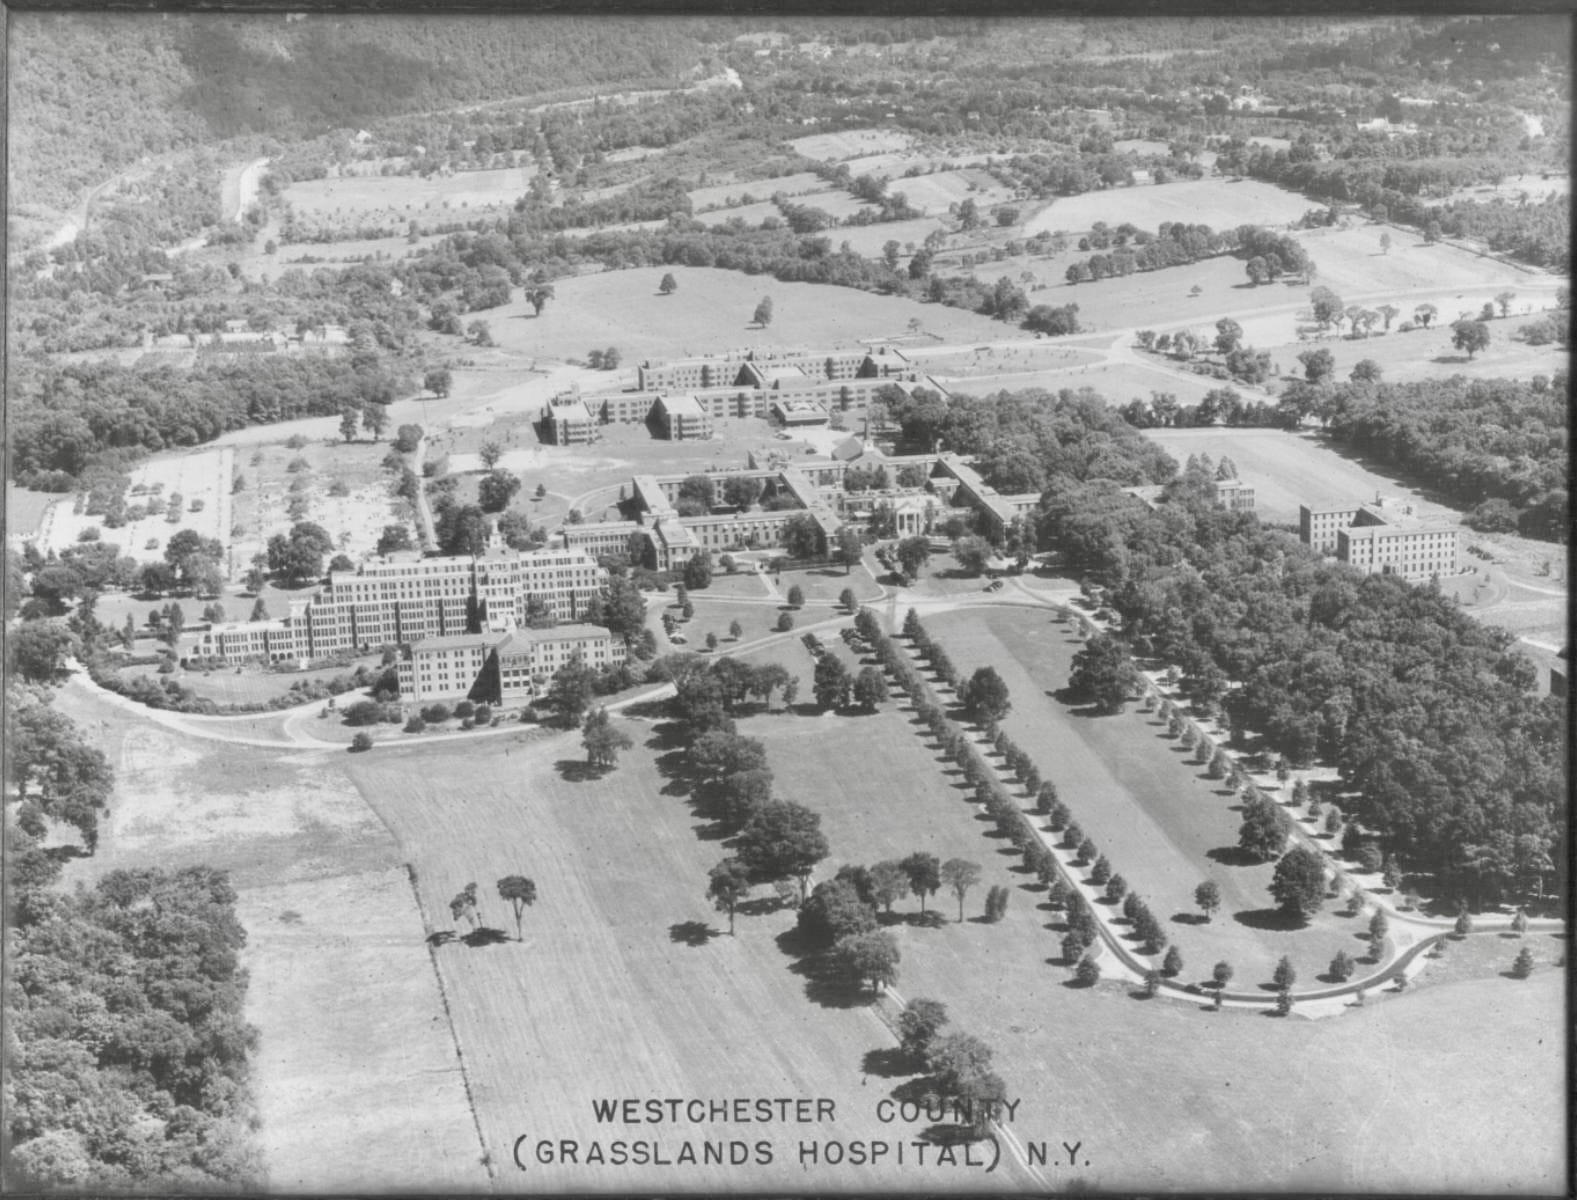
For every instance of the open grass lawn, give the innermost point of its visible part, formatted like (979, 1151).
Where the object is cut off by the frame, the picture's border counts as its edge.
(24, 509)
(1164, 827)
(1218, 203)
(1352, 261)
(355, 1075)
(1164, 1095)
(711, 313)
(1428, 354)
(1163, 300)
(825, 584)
(622, 986)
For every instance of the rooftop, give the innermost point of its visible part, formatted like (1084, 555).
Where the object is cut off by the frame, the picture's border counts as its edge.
(683, 406)
(521, 639)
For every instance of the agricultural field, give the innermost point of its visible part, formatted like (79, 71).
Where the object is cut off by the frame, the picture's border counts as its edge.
(751, 214)
(405, 197)
(837, 204)
(727, 195)
(1219, 203)
(200, 477)
(870, 240)
(934, 193)
(851, 143)
(896, 165)
(1146, 803)
(329, 912)
(711, 312)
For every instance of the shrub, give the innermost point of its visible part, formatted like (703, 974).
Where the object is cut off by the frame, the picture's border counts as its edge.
(1522, 965)
(362, 741)
(483, 716)
(465, 710)
(1088, 972)
(785, 622)
(364, 712)
(415, 725)
(435, 714)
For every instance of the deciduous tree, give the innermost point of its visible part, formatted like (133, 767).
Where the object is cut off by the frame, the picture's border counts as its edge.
(727, 884)
(960, 875)
(521, 894)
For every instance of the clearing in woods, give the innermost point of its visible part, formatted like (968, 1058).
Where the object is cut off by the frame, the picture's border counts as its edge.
(400, 197)
(851, 143)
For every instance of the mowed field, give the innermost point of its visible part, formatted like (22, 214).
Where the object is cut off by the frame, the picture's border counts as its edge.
(24, 509)
(607, 997)
(1162, 1095)
(355, 1075)
(411, 194)
(1163, 826)
(934, 193)
(711, 313)
(1219, 203)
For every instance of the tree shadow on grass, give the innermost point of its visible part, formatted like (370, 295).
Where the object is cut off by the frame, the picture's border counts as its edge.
(887, 1062)
(485, 935)
(823, 984)
(1273, 919)
(949, 1134)
(711, 831)
(440, 937)
(691, 933)
(1232, 856)
(575, 770)
(760, 906)
(1188, 918)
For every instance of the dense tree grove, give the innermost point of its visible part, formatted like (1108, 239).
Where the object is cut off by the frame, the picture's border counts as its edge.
(1346, 667)
(1026, 438)
(64, 418)
(1478, 441)
(128, 1051)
